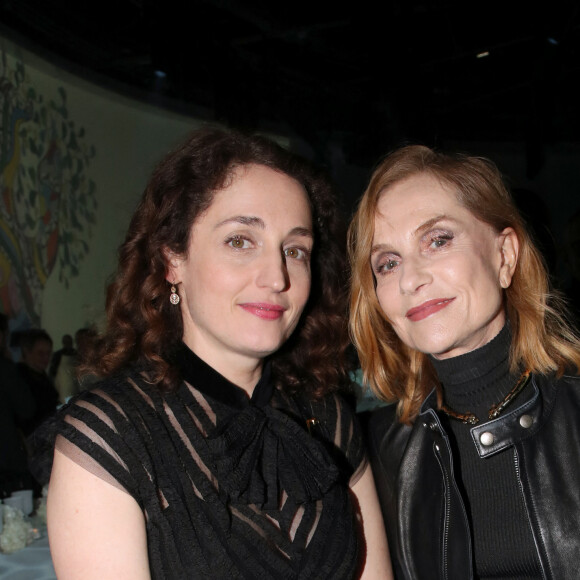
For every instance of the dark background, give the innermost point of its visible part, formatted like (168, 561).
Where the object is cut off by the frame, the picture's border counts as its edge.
(362, 76)
(348, 82)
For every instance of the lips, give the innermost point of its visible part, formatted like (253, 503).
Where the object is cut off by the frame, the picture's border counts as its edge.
(428, 308)
(264, 310)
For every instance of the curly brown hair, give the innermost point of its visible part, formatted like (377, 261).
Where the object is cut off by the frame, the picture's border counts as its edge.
(143, 328)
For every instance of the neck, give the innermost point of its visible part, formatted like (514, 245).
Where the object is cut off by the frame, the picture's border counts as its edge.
(477, 380)
(242, 371)
(244, 377)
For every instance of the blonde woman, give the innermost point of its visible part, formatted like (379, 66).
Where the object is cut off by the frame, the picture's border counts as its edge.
(476, 460)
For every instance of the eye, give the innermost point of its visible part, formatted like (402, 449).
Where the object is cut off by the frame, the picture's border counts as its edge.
(440, 241)
(386, 266)
(238, 243)
(296, 253)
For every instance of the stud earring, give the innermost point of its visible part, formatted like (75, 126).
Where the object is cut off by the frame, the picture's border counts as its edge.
(174, 296)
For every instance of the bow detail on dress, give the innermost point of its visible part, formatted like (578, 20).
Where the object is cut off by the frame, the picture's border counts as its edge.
(261, 451)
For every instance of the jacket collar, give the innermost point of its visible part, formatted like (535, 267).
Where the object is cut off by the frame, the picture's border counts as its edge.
(507, 430)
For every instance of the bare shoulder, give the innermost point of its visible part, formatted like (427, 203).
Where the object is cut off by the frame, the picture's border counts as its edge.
(96, 530)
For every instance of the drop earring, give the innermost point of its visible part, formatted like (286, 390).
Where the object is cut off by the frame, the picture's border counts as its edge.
(174, 296)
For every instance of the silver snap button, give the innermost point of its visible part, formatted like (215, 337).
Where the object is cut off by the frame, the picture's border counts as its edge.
(526, 421)
(486, 438)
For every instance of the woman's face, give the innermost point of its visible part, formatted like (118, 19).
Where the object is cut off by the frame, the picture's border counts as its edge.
(439, 270)
(246, 278)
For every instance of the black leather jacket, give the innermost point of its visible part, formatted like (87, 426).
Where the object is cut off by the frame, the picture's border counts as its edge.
(424, 513)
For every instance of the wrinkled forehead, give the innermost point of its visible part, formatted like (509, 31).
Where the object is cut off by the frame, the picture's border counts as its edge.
(416, 193)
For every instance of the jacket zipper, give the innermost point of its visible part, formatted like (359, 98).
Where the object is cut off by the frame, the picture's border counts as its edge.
(447, 514)
(521, 487)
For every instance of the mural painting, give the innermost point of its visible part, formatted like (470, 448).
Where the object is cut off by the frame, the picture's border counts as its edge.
(47, 201)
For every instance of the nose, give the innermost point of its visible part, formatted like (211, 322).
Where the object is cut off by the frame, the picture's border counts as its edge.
(272, 271)
(414, 274)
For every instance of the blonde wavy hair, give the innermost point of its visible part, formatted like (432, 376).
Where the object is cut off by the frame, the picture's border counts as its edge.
(542, 340)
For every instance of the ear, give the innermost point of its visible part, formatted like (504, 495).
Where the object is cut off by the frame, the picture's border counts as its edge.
(173, 271)
(509, 248)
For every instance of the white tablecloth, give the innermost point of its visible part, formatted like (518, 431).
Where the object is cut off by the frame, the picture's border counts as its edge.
(32, 563)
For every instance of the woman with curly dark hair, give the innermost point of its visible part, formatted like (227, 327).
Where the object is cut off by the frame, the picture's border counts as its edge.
(217, 445)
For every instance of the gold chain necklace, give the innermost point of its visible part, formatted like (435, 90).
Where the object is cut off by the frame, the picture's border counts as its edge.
(496, 410)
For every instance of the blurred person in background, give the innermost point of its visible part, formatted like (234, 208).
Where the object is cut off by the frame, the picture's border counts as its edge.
(16, 405)
(62, 370)
(36, 348)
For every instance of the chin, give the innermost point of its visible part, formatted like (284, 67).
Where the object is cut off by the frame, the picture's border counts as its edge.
(442, 355)
(437, 350)
(262, 349)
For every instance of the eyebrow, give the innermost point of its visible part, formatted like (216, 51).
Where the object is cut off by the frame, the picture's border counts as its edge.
(430, 223)
(257, 222)
(421, 229)
(244, 220)
(300, 231)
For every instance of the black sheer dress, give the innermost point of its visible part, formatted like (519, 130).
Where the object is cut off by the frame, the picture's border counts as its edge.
(230, 487)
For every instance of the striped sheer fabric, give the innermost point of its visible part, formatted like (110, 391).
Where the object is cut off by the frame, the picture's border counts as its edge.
(229, 488)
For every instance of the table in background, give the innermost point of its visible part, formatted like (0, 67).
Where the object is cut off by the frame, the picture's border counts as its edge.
(32, 563)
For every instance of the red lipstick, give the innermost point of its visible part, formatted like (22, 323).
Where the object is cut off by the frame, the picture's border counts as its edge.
(427, 308)
(264, 310)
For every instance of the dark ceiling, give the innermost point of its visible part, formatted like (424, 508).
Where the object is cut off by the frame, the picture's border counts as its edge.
(365, 76)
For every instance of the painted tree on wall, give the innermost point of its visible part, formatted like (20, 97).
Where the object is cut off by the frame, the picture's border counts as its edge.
(47, 201)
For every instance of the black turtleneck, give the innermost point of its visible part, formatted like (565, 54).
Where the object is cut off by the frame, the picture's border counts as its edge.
(502, 538)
